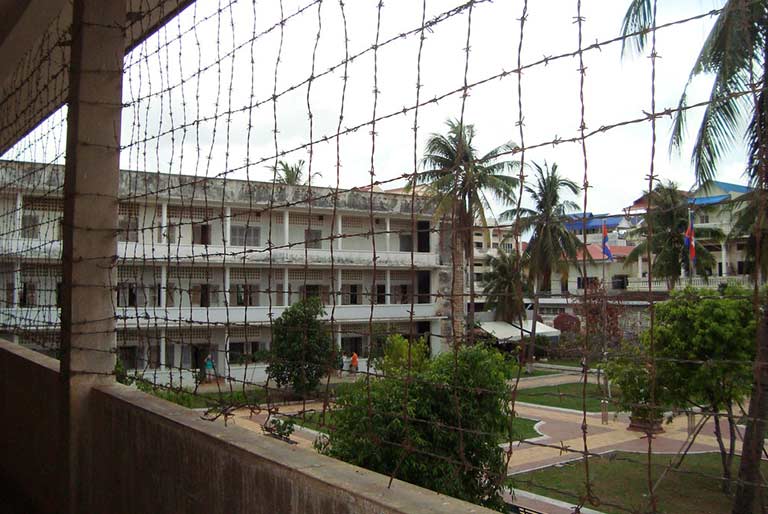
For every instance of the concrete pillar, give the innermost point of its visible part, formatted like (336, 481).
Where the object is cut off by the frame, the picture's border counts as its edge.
(161, 342)
(177, 355)
(226, 286)
(227, 226)
(389, 234)
(388, 286)
(18, 215)
(221, 355)
(434, 238)
(163, 222)
(339, 232)
(285, 286)
(16, 283)
(91, 182)
(724, 258)
(640, 266)
(163, 286)
(339, 283)
(286, 228)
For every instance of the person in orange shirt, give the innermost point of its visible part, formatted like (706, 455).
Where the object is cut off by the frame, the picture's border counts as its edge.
(353, 364)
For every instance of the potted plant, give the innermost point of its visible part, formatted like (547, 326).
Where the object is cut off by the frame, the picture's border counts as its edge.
(633, 377)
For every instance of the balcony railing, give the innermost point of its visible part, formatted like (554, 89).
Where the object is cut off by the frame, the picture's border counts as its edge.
(49, 317)
(641, 284)
(158, 252)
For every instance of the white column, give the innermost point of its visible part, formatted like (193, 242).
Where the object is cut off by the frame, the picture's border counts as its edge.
(227, 225)
(177, 355)
(16, 283)
(339, 232)
(434, 238)
(163, 286)
(161, 342)
(724, 258)
(221, 355)
(19, 213)
(164, 222)
(285, 287)
(340, 299)
(389, 238)
(640, 266)
(226, 286)
(388, 287)
(286, 228)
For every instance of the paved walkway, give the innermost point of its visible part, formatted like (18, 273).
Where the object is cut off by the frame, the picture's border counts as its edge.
(561, 438)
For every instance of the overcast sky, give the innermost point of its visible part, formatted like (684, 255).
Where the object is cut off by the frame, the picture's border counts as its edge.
(165, 91)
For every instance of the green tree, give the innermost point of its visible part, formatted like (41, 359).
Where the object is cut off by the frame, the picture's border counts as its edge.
(290, 174)
(551, 246)
(459, 181)
(302, 350)
(704, 349)
(669, 218)
(398, 351)
(745, 212)
(736, 54)
(501, 285)
(428, 448)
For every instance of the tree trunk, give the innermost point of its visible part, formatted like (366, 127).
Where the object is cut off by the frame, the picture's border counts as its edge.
(723, 454)
(751, 453)
(731, 438)
(532, 341)
(470, 247)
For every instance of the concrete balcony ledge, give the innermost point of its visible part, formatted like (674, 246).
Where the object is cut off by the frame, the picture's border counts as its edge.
(159, 254)
(641, 284)
(144, 454)
(50, 317)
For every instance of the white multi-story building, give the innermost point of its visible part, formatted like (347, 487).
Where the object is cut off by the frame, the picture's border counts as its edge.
(204, 265)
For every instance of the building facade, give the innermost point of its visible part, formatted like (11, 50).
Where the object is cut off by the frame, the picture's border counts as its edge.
(205, 265)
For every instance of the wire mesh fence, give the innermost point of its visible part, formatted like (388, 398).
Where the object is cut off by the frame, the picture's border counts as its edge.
(302, 246)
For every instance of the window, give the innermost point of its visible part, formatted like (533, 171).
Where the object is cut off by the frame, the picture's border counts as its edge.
(170, 295)
(353, 294)
(312, 238)
(619, 281)
(127, 295)
(201, 234)
(245, 236)
(30, 226)
(28, 296)
(129, 229)
(403, 294)
(245, 295)
(591, 281)
(236, 351)
(205, 295)
(479, 244)
(312, 291)
(495, 245)
(703, 218)
(478, 277)
(352, 344)
(406, 243)
(381, 293)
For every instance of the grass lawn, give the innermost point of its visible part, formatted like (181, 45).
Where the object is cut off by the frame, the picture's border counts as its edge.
(622, 481)
(523, 426)
(571, 399)
(206, 400)
(575, 363)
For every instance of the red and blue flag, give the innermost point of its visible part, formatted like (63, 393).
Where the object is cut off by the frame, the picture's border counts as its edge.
(606, 250)
(690, 240)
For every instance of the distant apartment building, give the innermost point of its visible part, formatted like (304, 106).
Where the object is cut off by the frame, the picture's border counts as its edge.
(204, 265)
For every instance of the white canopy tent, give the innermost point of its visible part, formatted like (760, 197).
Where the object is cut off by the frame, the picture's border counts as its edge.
(506, 332)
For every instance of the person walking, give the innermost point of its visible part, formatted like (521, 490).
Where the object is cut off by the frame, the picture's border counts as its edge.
(353, 363)
(209, 372)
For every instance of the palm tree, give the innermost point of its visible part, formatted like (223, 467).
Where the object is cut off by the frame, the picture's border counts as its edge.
(745, 211)
(501, 285)
(290, 174)
(669, 218)
(551, 246)
(458, 182)
(736, 54)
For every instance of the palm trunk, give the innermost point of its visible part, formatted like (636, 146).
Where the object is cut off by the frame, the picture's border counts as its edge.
(532, 341)
(731, 437)
(471, 310)
(752, 449)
